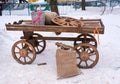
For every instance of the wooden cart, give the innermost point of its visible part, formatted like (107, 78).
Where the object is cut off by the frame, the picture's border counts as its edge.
(24, 51)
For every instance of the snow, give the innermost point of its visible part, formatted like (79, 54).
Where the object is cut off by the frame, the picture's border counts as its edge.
(107, 70)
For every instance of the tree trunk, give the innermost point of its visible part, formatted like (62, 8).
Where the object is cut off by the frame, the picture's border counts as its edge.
(0, 9)
(83, 4)
(53, 6)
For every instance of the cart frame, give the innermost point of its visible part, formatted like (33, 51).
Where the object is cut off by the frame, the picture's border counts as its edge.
(85, 44)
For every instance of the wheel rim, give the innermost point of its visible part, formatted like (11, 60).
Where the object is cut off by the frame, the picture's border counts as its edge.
(39, 44)
(23, 52)
(65, 21)
(87, 55)
(86, 38)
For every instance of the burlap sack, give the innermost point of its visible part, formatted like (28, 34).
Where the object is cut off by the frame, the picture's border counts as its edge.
(42, 18)
(66, 63)
(49, 16)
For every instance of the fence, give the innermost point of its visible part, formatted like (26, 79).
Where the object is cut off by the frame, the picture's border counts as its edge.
(22, 8)
(63, 7)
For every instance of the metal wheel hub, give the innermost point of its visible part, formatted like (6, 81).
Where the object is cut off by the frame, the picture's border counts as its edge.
(36, 43)
(23, 52)
(84, 56)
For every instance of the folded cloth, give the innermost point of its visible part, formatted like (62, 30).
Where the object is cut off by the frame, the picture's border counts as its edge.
(38, 18)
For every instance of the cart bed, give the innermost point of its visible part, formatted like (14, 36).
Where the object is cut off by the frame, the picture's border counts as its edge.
(85, 26)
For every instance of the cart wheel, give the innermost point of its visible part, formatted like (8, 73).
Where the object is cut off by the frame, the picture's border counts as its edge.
(86, 38)
(23, 52)
(39, 44)
(87, 56)
(65, 21)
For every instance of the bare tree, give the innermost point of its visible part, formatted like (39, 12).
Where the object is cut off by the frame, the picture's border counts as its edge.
(2, 2)
(83, 4)
(0, 9)
(53, 6)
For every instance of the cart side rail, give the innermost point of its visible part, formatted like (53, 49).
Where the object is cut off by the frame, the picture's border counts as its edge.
(48, 28)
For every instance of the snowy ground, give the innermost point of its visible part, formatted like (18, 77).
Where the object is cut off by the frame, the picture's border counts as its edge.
(107, 70)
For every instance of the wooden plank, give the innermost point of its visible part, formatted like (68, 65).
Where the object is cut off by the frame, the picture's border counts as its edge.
(41, 28)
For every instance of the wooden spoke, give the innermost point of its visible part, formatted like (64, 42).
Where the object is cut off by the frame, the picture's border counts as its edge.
(87, 50)
(91, 59)
(37, 48)
(29, 51)
(17, 52)
(26, 47)
(25, 59)
(86, 63)
(29, 57)
(80, 62)
(22, 44)
(92, 54)
(19, 57)
(40, 41)
(41, 45)
(73, 23)
(17, 47)
(79, 49)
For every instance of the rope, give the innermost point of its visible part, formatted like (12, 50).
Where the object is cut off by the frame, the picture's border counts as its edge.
(37, 19)
(97, 31)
